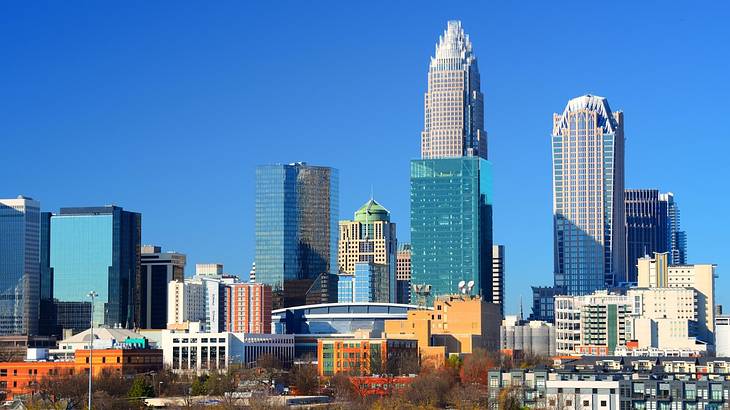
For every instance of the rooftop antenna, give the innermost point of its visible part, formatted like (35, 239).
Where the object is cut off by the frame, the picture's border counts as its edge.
(522, 316)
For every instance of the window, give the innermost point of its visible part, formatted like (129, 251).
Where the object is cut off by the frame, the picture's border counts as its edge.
(603, 403)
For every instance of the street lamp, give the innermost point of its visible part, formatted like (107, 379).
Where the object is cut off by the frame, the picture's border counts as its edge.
(92, 295)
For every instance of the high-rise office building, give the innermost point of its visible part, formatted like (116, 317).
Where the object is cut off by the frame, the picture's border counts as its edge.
(158, 269)
(454, 102)
(297, 209)
(403, 273)
(369, 237)
(19, 266)
(95, 249)
(498, 277)
(646, 227)
(451, 210)
(676, 237)
(199, 299)
(588, 196)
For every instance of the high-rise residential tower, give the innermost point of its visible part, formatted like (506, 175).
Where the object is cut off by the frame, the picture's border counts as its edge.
(454, 102)
(96, 249)
(588, 196)
(646, 227)
(497, 277)
(451, 209)
(676, 237)
(297, 210)
(19, 266)
(369, 237)
(158, 269)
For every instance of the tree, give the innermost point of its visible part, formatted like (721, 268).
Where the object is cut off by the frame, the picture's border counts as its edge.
(62, 392)
(343, 388)
(198, 387)
(112, 384)
(510, 399)
(141, 388)
(430, 388)
(476, 367)
(305, 379)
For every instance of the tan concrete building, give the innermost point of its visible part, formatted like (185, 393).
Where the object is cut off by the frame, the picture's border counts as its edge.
(656, 272)
(457, 324)
(370, 237)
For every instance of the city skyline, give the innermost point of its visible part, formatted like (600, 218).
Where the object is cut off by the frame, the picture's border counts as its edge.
(219, 240)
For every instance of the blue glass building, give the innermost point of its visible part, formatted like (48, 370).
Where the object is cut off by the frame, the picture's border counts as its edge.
(96, 248)
(451, 224)
(297, 211)
(346, 288)
(588, 196)
(19, 266)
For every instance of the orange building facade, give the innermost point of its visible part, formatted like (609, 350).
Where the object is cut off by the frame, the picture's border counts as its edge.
(20, 378)
(249, 308)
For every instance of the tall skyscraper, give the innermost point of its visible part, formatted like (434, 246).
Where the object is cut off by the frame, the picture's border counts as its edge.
(497, 277)
(646, 227)
(369, 237)
(297, 209)
(454, 101)
(96, 248)
(158, 269)
(19, 266)
(451, 210)
(588, 196)
(403, 273)
(676, 237)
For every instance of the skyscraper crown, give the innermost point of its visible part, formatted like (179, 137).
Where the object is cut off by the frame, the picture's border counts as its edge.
(453, 48)
(606, 119)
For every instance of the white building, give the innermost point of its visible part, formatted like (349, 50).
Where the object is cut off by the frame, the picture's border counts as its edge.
(583, 394)
(667, 319)
(655, 272)
(202, 351)
(208, 269)
(722, 336)
(104, 338)
(198, 299)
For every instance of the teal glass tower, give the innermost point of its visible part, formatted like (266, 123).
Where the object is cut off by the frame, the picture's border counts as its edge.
(451, 224)
(451, 201)
(95, 248)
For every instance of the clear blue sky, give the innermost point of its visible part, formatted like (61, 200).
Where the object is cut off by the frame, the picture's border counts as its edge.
(165, 108)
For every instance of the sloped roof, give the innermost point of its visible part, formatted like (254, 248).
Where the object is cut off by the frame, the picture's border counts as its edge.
(101, 333)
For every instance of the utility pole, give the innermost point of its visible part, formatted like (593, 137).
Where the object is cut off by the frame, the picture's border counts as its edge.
(92, 295)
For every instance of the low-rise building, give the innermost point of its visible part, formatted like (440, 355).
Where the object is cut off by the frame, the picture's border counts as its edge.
(21, 378)
(202, 351)
(458, 324)
(366, 356)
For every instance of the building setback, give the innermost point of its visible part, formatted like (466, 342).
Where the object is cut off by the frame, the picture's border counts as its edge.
(297, 209)
(158, 269)
(19, 265)
(588, 196)
(95, 249)
(676, 237)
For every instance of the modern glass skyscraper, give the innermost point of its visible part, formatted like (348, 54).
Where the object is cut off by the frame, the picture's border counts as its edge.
(646, 227)
(676, 238)
(19, 266)
(96, 248)
(451, 224)
(454, 125)
(297, 211)
(451, 208)
(588, 196)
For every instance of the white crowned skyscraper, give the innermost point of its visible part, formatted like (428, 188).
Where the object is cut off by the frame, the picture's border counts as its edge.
(588, 196)
(454, 125)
